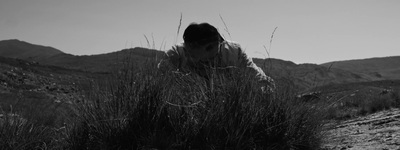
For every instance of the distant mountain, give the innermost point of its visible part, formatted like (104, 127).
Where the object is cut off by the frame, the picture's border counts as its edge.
(26, 51)
(381, 68)
(305, 76)
(104, 62)
(94, 63)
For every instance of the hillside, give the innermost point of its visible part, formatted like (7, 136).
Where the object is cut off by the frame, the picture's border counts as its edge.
(45, 90)
(93, 63)
(41, 84)
(383, 68)
(103, 62)
(17, 75)
(26, 51)
(303, 76)
(306, 76)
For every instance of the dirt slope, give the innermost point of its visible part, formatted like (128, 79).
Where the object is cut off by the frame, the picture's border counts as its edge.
(376, 131)
(27, 51)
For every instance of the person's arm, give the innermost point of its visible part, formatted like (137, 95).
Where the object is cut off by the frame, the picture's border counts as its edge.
(246, 62)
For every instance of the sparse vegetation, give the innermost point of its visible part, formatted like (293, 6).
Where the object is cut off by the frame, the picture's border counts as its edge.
(17, 132)
(379, 102)
(360, 100)
(142, 108)
(147, 109)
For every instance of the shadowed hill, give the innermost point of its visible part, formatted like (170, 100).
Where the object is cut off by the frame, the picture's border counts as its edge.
(26, 51)
(382, 68)
(104, 62)
(305, 76)
(43, 90)
(93, 63)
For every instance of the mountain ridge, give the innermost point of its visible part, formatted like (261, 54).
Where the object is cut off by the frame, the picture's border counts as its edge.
(304, 75)
(382, 67)
(23, 50)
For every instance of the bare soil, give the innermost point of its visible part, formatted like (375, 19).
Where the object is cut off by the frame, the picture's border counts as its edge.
(378, 131)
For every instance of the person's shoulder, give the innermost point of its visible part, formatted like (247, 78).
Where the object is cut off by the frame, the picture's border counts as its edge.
(180, 45)
(231, 44)
(231, 47)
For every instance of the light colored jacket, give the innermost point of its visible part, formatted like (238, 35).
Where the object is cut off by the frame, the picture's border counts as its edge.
(230, 55)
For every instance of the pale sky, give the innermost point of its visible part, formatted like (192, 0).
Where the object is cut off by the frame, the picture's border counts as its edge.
(309, 31)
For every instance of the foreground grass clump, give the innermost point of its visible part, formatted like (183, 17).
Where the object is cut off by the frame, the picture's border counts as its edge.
(19, 133)
(32, 123)
(363, 102)
(379, 102)
(148, 109)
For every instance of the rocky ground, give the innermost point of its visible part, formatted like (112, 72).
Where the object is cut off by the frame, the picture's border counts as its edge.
(19, 78)
(378, 131)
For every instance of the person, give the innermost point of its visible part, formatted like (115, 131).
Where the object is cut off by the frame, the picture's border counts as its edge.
(204, 47)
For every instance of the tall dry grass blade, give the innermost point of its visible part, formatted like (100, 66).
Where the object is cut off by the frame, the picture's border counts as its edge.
(154, 43)
(162, 43)
(226, 27)
(330, 66)
(147, 40)
(268, 50)
(270, 42)
(179, 28)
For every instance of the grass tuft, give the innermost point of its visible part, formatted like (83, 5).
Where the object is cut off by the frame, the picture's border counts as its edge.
(17, 132)
(148, 109)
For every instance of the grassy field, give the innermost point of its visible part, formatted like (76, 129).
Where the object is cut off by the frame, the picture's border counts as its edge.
(357, 99)
(144, 109)
(48, 107)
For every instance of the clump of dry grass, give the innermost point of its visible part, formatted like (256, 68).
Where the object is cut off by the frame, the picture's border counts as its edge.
(17, 132)
(150, 109)
(361, 103)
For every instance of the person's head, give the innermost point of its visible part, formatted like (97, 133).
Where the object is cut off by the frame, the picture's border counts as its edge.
(202, 40)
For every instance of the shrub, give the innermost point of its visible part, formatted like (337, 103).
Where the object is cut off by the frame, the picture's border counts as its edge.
(377, 103)
(148, 109)
(19, 133)
(364, 103)
(32, 122)
(395, 95)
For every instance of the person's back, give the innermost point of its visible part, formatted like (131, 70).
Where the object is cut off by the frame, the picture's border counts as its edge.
(204, 48)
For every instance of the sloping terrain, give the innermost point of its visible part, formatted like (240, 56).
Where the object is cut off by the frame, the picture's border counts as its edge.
(381, 68)
(94, 63)
(47, 80)
(26, 51)
(44, 90)
(56, 83)
(104, 62)
(303, 76)
(306, 76)
(377, 131)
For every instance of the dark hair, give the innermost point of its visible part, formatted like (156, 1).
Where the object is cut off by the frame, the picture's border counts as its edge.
(200, 34)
